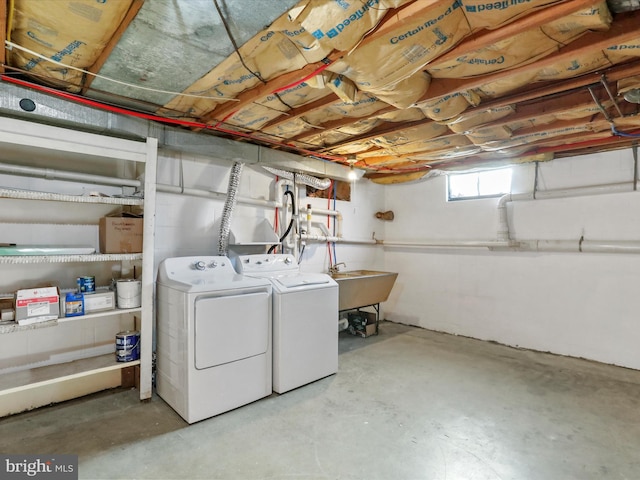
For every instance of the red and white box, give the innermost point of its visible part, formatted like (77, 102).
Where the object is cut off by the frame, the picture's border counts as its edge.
(37, 304)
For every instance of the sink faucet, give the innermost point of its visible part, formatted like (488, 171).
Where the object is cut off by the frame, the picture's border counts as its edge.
(336, 268)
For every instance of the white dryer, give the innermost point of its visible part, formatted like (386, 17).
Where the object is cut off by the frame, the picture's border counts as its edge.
(213, 336)
(305, 319)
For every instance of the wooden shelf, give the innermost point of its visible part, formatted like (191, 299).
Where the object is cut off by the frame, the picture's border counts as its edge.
(105, 313)
(59, 197)
(15, 327)
(92, 257)
(40, 376)
(29, 389)
(32, 147)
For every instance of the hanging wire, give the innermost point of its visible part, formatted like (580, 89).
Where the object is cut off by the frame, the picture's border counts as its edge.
(622, 134)
(237, 50)
(235, 45)
(12, 46)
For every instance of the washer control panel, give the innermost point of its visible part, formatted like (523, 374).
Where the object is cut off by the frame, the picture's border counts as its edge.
(262, 263)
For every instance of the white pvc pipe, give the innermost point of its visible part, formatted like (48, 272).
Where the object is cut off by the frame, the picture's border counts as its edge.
(324, 229)
(328, 238)
(603, 189)
(51, 174)
(320, 211)
(446, 244)
(546, 246)
(309, 211)
(591, 246)
(504, 234)
(575, 246)
(215, 195)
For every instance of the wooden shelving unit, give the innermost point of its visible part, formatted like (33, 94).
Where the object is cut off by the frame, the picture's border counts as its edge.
(27, 384)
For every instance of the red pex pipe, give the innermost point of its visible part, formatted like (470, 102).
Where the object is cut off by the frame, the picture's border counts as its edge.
(157, 118)
(184, 123)
(585, 144)
(304, 79)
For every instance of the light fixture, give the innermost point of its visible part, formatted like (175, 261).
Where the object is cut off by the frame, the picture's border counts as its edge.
(633, 95)
(352, 175)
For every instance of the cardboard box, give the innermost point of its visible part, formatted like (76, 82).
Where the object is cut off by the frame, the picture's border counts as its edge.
(121, 233)
(362, 323)
(37, 305)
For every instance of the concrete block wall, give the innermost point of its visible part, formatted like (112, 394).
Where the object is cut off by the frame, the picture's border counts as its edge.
(578, 304)
(189, 225)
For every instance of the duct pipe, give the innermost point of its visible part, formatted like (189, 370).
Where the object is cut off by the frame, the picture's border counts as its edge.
(229, 205)
(319, 183)
(51, 174)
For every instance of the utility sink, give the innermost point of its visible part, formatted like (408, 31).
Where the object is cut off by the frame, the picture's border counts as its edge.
(360, 288)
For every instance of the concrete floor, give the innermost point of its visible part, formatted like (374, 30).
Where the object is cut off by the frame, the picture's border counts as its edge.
(407, 404)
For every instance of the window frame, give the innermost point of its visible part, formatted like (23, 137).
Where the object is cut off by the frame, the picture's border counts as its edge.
(478, 196)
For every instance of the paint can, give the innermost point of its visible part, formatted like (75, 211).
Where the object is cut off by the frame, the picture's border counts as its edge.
(127, 346)
(128, 293)
(86, 284)
(73, 304)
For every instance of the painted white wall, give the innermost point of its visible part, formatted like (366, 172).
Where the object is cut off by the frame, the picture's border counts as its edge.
(190, 225)
(577, 304)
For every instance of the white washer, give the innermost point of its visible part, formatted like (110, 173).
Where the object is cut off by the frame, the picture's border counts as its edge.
(305, 319)
(213, 336)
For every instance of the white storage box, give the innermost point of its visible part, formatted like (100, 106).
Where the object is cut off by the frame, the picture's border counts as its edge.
(37, 304)
(99, 301)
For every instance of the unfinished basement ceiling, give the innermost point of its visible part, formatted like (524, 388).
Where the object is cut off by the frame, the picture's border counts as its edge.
(397, 87)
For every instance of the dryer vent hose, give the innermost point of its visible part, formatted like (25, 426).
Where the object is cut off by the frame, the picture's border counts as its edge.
(229, 205)
(317, 183)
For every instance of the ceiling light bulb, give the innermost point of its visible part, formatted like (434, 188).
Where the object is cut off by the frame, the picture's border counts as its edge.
(352, 173)
(633, 95)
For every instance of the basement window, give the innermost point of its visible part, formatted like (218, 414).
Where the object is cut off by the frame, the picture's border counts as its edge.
(485, 184)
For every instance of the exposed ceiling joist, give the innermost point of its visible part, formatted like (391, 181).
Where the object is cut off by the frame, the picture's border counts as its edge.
(173, 59)
(97, 65)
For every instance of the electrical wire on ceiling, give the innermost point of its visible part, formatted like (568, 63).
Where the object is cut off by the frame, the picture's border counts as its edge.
(237, 50)
(178, 114)
(157, 118)
(623, 134)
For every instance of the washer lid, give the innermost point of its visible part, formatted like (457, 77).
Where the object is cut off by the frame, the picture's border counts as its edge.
(302, 280)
